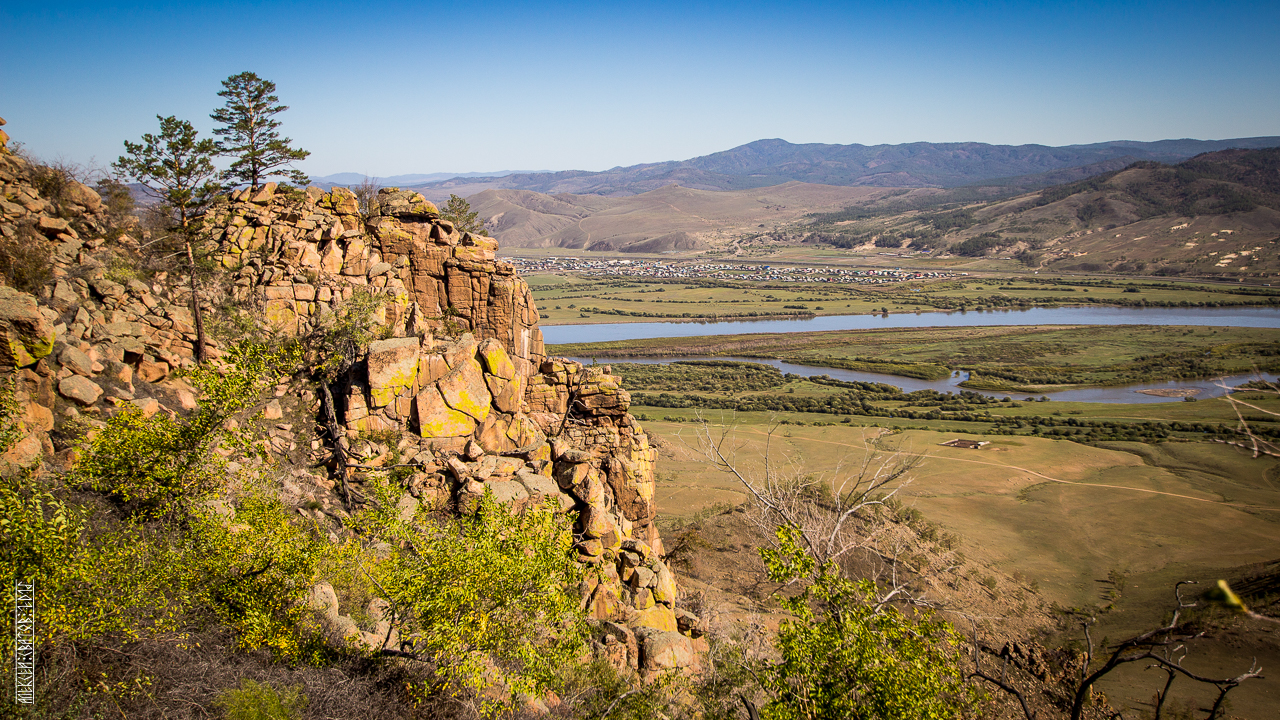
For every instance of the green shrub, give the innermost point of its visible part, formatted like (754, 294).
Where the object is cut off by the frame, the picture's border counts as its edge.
(490, 587)
(254, 701)
(252, 573)
(843, 654)
(149, 464)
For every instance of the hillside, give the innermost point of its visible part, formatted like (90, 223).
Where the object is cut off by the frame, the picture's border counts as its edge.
(1215, 214)
(765, 163)
(666, 219)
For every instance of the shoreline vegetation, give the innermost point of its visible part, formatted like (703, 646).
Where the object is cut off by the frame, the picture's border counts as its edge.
(571, 298)
(684, 390)
(998, 358)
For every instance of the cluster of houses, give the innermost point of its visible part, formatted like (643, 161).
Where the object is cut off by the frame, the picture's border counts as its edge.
(662, 270)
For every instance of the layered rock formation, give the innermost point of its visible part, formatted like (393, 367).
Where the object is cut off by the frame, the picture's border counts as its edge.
(460, 376)
(92, 336)
(303, 252)
(464, 372)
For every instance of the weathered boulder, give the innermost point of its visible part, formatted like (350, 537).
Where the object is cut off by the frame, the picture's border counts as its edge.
(664, 651)
(437, 419)
(24, 454)
(392, 369)
(76, 361)
(465, 390)
(79, 389)
(26, 335)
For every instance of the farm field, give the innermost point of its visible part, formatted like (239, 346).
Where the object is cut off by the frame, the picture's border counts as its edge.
(1116, 524)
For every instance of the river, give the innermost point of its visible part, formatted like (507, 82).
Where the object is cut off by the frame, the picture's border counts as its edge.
(1259, 317)
(1207, 388)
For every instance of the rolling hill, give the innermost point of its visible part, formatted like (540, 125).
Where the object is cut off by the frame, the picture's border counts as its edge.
(671, 218)
(1215, 214)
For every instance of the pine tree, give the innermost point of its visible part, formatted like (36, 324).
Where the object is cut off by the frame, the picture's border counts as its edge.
(251, 135)
(177, 169)
(458, 211)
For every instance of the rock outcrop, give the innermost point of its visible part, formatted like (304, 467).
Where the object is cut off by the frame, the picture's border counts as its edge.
(459, 378)
(94, 337)
(300, 253)
(463, 371)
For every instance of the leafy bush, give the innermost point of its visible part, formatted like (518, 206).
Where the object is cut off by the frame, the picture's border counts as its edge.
(149, 463)
(492, 587)
(252, 573)
(844, 654)
(255, 701)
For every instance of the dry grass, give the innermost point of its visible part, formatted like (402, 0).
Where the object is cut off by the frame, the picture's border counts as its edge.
(1059, 516)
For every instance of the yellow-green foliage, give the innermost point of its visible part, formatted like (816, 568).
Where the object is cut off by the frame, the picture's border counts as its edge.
(149, 463)
(186, 565)
(86, 584)
(253, 572)
(262, 702)
(843, 654)
(489, 586)
(96, 575)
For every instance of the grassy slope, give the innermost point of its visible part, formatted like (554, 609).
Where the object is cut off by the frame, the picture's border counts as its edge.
(1214, 215)
(522, 218)
(1060, 514)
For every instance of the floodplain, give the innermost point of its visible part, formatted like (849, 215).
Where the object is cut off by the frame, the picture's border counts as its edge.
(570, 297)
(1068, 510)
(1101, 531)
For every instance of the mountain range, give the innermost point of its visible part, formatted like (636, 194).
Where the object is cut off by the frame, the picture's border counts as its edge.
(765, 163)
(348, 179)
(1217, 213)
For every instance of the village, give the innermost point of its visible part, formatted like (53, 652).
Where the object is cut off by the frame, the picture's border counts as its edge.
(660, 270)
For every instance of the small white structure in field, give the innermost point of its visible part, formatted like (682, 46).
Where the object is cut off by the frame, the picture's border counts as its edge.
(962, 443)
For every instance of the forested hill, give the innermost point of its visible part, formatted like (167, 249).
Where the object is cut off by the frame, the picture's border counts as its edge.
(772, 162)
(1214, 183)
(1215, 214)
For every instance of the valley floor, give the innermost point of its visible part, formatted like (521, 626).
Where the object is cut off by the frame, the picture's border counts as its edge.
(1107, 530)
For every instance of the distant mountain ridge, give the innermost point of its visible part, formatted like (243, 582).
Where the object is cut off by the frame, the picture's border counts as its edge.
(1216, 214)
(352, 178)
(765, 163)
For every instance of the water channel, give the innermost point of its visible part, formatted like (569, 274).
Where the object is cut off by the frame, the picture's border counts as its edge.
(1206, 388)
(1259, 317)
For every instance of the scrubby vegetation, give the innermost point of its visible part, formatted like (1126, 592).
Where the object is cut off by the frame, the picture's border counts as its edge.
(157, 539)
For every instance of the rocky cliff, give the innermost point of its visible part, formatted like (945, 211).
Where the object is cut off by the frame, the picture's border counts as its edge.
(457, 389)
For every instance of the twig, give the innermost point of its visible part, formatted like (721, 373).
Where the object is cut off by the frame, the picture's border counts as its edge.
(617, 700)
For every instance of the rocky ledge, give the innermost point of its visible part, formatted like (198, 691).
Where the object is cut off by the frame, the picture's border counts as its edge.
(459, 378)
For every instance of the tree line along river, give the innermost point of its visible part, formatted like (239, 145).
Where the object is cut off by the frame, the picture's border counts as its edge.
(1258, 317)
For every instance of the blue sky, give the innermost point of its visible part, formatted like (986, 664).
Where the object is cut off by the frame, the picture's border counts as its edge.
(388, 87)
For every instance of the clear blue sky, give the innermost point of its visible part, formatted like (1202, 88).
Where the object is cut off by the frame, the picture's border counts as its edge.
(389, 87)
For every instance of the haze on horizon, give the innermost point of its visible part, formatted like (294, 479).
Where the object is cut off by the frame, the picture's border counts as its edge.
(402, 87)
